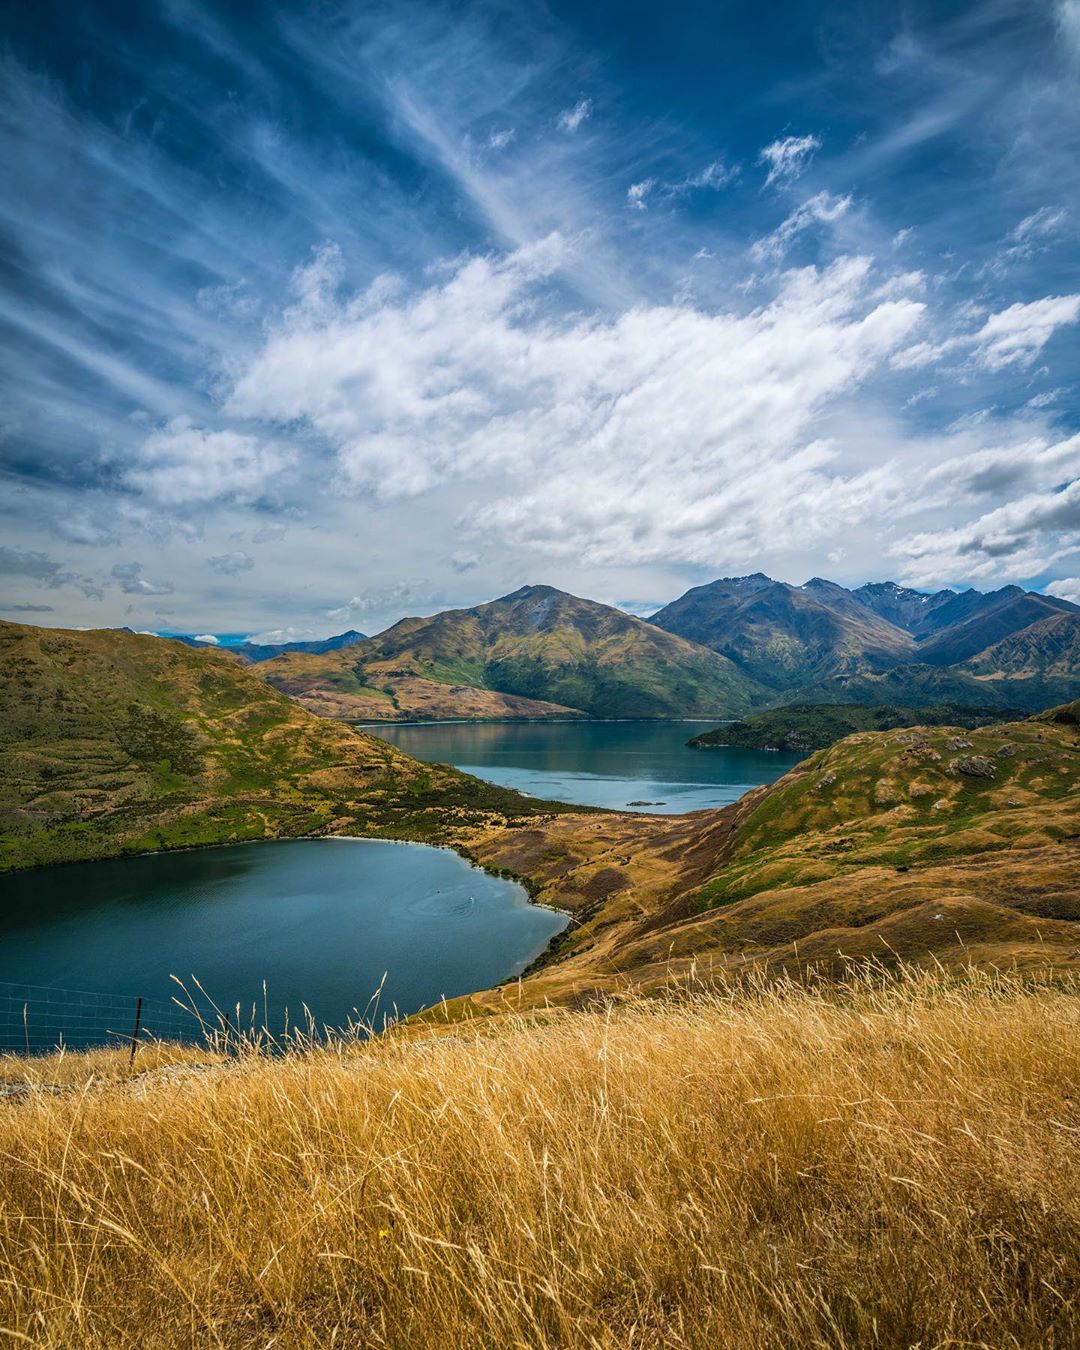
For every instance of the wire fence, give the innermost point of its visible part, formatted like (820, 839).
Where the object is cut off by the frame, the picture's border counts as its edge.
(36, 1019)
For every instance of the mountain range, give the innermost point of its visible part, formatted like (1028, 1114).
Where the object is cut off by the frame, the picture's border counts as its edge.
(720, 650)
(537, 652)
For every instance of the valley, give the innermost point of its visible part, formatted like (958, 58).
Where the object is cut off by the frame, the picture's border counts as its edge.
(949, 843)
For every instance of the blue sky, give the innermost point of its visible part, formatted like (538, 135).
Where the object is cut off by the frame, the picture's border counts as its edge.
(315, 315)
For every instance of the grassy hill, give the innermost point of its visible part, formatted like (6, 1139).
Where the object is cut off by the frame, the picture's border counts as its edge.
(114, 742)
(924, 843)
(886, 1166)
(803, 727)
(556, 651)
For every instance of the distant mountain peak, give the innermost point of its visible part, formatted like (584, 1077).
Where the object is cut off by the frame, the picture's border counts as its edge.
(533, 592)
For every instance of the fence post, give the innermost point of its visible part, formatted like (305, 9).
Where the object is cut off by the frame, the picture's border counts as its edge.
(26, 1027)
(135, 1033)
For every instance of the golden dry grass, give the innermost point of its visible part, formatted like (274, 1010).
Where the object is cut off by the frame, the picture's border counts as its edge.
(890, 1164)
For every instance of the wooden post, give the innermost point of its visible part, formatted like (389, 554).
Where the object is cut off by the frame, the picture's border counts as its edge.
(26, 1027)
(135, 1033)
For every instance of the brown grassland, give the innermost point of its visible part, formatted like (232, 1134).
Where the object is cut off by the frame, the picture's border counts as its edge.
(771, 1088)
(890, 1163)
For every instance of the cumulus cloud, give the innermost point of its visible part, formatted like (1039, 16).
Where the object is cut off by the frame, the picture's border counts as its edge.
(636, 193)
(231, 564)
(40, 568)
(788, 157)
(210, 639)
(132, 582)
(666, 431)
(1017, 335)
(1021, 538)
(181, 464)
(1068, 588)
(1012, 337)
(571, 118)
(821, 208)
(398, 596)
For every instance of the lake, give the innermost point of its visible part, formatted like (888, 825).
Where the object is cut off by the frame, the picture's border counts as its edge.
(637, 766)
(321, 921)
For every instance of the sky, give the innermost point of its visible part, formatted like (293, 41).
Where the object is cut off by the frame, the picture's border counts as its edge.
(315, 315)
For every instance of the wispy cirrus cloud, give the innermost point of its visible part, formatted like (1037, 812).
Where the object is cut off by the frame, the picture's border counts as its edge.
(1014, 336)
(370, 275)
(570, 119)
(823, 208)
(788, 157)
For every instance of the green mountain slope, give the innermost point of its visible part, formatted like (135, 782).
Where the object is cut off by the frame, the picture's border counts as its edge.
(1000, 615)
(537, 644)
(921, 686)
(803, 727)
(821, 643)
(1048, 649)
(786, 636)
(113, 742)
(920, 844)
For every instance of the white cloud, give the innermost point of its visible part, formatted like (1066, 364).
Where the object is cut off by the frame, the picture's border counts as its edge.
(133, 583)
(1068, 588)
(637, 192)
(1068, 21)
(1017, 335)
(716, 175)
(1036, 527)
(571, 118)
(500, 139)
(182, 464)
(822, 208)
(231, 564)
(788, 157)
(209, 638)
(664, 432)
(1032, 236)
(277, 637)
(1011, 337)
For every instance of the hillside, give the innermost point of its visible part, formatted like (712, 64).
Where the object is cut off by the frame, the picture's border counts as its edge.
(927, 842)
(114, 742)
(895, 1166)
(803, 727)
(1001, 614)
(538, 644)
(884, 643)
(785, 636)
(921, 686)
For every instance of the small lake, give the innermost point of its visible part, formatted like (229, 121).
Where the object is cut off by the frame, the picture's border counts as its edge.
(637, 766)
(322, 921)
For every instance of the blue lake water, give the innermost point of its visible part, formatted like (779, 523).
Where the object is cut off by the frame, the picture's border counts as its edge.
(321, 921)
(637, 766)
